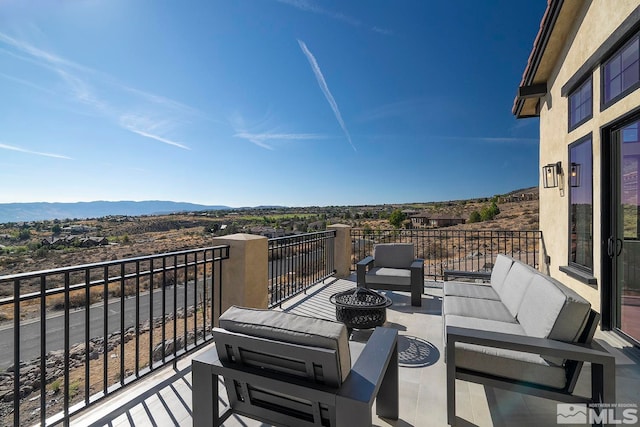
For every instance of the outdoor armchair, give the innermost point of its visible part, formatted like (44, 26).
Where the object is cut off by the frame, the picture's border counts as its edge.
(285, 369)
(393, 267)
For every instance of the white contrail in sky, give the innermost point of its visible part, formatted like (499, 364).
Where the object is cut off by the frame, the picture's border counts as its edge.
(158, 138)
(260, 138)
(325, 90)
(37, 153)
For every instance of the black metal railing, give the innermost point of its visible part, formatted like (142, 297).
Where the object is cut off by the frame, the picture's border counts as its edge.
(467, 250)
(298, 262)
(74, 335)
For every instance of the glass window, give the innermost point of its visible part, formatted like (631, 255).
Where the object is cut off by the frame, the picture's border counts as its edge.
(580, 105)
(622, 71)
(581, 204)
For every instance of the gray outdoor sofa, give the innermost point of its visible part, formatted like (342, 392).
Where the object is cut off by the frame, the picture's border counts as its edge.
(523, 331)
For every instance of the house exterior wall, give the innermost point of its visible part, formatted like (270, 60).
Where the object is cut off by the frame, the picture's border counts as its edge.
(595, 23)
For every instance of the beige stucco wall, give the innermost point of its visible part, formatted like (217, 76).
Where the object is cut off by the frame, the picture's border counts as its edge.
(597, 20)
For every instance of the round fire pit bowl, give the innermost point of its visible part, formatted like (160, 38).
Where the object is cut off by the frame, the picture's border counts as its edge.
(360, 308)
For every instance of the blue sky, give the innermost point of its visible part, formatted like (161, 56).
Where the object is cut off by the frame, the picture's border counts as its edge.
(254, 102)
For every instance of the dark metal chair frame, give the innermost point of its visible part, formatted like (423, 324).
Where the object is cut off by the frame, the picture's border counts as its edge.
(417, 279)
(585, 350)
(281, 383)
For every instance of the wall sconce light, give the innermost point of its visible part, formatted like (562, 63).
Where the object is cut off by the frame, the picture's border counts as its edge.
(550, 174)
(574, 176)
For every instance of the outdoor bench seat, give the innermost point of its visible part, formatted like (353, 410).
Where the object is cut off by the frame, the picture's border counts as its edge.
(523, 331)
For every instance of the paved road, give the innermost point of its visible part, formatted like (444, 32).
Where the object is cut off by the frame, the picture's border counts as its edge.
(30, 329)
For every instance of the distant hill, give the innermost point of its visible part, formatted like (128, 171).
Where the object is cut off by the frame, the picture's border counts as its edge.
(38, 211)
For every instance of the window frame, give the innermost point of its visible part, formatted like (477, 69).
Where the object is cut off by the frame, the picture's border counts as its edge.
(578, 89)
(572, 264)
(606, 104)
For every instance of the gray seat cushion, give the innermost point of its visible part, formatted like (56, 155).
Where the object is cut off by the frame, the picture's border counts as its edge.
(291, 328)
(388, 276)
(470, 290)
(476, 308)
(393, 255)
(485, 325)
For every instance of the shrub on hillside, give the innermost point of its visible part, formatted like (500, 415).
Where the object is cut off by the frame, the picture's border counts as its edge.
(474, 217)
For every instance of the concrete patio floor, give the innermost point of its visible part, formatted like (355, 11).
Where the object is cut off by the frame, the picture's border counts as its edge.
(164, 398)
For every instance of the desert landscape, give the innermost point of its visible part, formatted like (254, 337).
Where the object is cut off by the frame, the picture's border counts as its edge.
(25, 247)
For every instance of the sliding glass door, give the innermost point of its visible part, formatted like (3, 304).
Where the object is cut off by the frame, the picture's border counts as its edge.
(623, 246)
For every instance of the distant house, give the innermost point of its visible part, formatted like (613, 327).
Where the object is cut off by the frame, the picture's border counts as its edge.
(268, 232)
(438, 221)
(435, 221)
(420, 220)
(88, 242)
(85, 242)
(520, 197)
(78, 229)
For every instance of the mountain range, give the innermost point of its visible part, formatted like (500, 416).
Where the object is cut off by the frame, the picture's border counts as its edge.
(38, 211)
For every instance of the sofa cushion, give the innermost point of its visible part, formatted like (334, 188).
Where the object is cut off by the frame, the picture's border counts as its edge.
(477, 308)
(510, 364)
(291, 328)
(470, 290)
(551, 310)
(388, 276)
(393, 255)
(500, 270)
(484, 324)
(515, 285)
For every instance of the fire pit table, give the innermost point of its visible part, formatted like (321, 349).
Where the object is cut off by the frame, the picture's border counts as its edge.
(360, 308)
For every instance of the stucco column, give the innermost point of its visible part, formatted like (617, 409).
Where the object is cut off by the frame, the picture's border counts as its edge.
(244, 274)
(342, 250)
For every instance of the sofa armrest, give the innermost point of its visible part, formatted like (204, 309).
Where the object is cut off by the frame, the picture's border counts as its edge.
(602, 364)
(361, 269)
(542, 346)
(484, 275)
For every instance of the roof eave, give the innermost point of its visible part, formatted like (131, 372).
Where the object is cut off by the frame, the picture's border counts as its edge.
(531, 82)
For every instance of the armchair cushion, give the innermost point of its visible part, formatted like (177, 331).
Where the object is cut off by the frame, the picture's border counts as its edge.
(393, 255)
(389, 276)
(291, 328)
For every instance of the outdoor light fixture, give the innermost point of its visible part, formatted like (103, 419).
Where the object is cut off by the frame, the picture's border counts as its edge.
(550, 174)
(574, 176)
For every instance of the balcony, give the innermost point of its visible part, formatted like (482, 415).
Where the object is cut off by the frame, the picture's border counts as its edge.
(127, 390)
